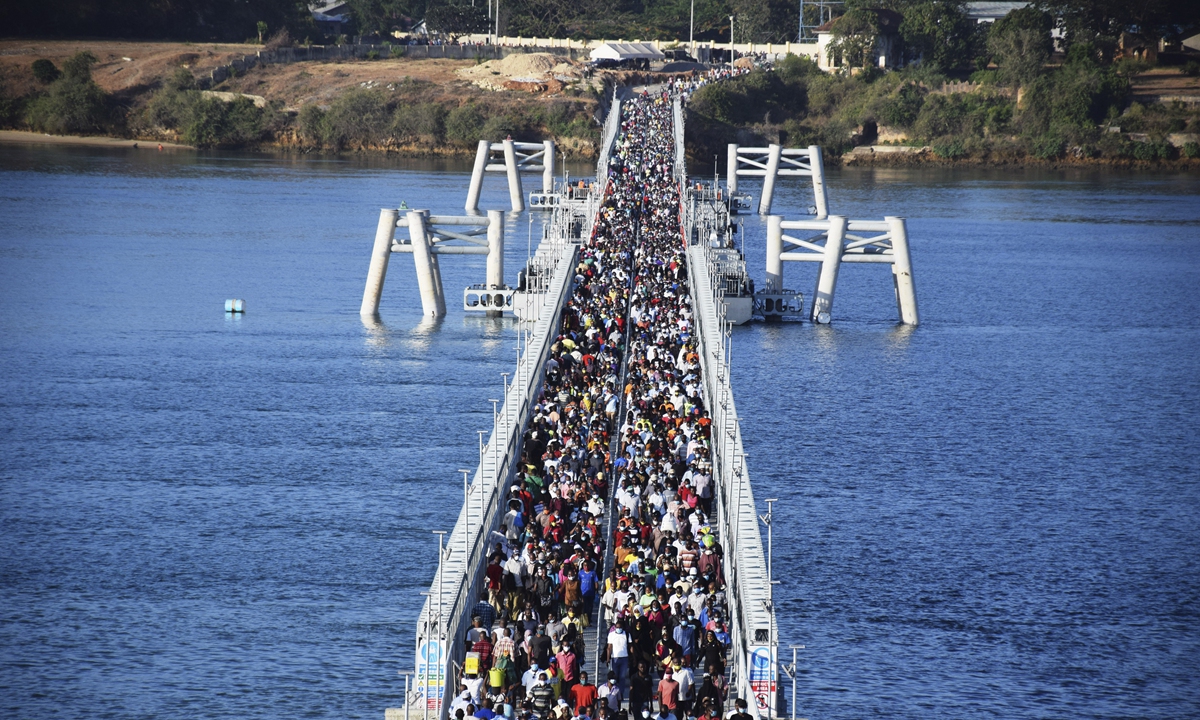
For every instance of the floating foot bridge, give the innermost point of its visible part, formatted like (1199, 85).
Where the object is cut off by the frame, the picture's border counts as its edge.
(613, 489)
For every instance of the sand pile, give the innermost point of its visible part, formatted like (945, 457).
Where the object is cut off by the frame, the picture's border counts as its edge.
(532, 72)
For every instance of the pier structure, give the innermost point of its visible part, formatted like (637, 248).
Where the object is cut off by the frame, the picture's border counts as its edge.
(835, 240)
(511, 158)
(773, 162)
(718, 293)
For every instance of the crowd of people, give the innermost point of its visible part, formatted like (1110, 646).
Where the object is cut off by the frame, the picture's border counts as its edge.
(684, 86)
(620, 410)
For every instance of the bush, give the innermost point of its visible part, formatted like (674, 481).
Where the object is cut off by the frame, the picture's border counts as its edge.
(72, 103)
(464, 124)
(359, 117)
(901, 108)
(1151, 150)
(45, 71)
(312, 123)
(201, 120)
(424, 122)
(214, 122)
(949, 148)
(793, 68)
(1191, 150)
(1191, 68)
(1048, 147)
(10, 108)
(372, 54)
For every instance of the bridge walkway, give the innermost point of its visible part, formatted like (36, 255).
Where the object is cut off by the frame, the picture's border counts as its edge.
(610, 282)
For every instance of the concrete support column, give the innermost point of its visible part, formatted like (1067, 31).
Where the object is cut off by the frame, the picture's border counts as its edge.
(429, 276)
(548, 162)
(495, 256)
(514, 177)
(822, 306)
(495, 259)
(768, 192)
(902, 276)
(731, 164)
(817, 162)
(377, 273)
(481, 159)
(439, 293)
(774, 253)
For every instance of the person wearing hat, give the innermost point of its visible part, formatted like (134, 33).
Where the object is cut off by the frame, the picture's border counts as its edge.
(562, 710)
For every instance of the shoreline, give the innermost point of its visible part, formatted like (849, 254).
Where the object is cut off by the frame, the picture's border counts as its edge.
(850, 159)
(23, 137)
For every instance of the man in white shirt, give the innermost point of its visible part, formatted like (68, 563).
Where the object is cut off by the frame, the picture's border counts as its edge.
(610, 694)
(617, 654)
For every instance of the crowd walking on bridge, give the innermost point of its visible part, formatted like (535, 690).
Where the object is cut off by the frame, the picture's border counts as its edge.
(618, 443)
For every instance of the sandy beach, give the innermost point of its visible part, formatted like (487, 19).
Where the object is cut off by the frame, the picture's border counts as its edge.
(20, 137)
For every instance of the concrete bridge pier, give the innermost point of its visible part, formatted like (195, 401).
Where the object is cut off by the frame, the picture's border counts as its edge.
(731, 167)
(774, 282)
(515, 195)
(822, 305)
(902, 277)
(382, 251)
(429, 274)
(476, 186)
(495, 259)
(549, 159)
(816, 161)
(774, 153)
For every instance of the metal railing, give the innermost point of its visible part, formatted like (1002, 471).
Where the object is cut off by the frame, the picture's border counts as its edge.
(748, 591)
(461, 570)
(612, 126)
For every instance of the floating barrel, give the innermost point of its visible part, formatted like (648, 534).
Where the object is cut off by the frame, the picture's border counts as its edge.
(235, 306)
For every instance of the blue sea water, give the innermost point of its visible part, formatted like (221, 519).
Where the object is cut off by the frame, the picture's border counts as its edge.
(996, 514)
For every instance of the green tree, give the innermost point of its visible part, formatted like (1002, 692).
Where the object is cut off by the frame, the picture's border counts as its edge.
(74, 102)
(1020, 44)
(939, 33)
(45, 71)
(1101, 22)
(855, 36)
(457, 19)
(384, 16)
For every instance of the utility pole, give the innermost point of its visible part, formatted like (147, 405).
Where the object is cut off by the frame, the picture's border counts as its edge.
(730, 40)
(692, 31)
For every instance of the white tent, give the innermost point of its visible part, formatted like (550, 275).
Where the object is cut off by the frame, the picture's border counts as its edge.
(627, 51)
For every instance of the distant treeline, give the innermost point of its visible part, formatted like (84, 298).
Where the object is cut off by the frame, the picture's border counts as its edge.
(931, 30)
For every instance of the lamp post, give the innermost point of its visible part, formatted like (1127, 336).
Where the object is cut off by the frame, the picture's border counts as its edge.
(731, 40)
(692, 31)
(791, 671)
